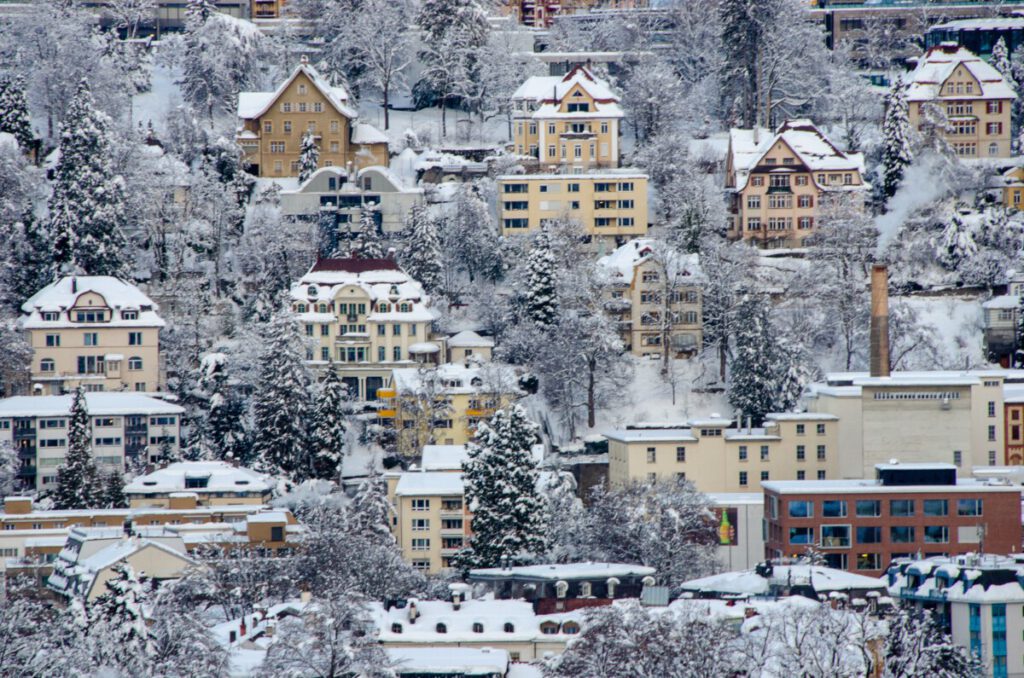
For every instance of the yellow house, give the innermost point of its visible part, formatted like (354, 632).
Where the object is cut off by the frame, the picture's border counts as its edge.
(95, 331)
(430, 519)
(569, 121)
(974, 96)
(655, 298)
(717, 456)
(443, 404)
(272, 124)
(365, 317)
(611, 207)
(1012, 188)
(776, 182)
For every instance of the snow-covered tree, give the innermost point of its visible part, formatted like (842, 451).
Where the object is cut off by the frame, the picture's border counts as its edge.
(501, 491)
(87, 205)
(182, 646)
(113, 490)
(118, 622)
(280, 404)
(1018, 355)
(309, 156)
(422, 404)
(1001, 61)
(955, 245)
(328, 436)
(9, 467)
(540, 282)
(727, 271)
(896, 138)
(15, 359)
(422, 255)
(377, 40)
(369, 511)
(367, 243)
(14, 117)
(692, 208)
(650, 111)
(220, 428)
(563, 515)
(916, 647)
(742, 34)
(469, 243)
(78, 480)
(129, 15)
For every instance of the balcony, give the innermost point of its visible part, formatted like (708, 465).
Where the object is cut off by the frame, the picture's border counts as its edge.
(452, 513)
(449, 552)
(386, 414)
(452, 531)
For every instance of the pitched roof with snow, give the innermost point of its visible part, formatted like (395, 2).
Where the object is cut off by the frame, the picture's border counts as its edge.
(565, 571)
(939, 63)
(201, 477)
(622, 262)
(252, 105)
(748, 148)
(382, 280)
(749, 582)
(547, 92)
(61, 295)
(97, 403)
(469, 339)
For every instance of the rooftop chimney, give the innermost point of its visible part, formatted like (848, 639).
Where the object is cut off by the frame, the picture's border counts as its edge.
(879, 321)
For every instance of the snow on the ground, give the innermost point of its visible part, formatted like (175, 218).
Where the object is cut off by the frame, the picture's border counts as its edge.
(464, 129)
(163, 96)
(958, 324)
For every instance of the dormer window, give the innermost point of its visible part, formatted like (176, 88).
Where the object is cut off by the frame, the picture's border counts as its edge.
(442, 628)
(478, 627)
(383, 308)
(549, 628)
(509, 627)
(300, 308)
(90, 316)
(405, 308)
(396, 628)
(570, 628)
(129, 315)
(311, 291)
(50, 316)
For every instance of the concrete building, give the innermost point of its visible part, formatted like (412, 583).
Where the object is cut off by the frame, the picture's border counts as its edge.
(98, 332)
(563, 587)
(271, 126)
(610, 207)
(430, 519)
(974, 96)
(740, 518)
(1013, 415)
(655, 298)
(125, 427)
(365, 317)
(978, 35)
(198, 483)
(862, 525)
(779, 184)
(717, 456)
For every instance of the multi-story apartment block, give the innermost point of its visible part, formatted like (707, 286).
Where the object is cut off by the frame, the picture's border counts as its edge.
(718, 457)
(569, 122)
(272, 124)
(430, 519)
(202, 483)
(444, 403)
(125, 427)
(95, 331)
(776, 182)
(366, 317)
(655, 298)
(862, 525)
(973, 95)
(610, 206)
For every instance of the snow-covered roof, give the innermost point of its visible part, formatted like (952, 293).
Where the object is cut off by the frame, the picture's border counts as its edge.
(1003, 301)
(60, 295)
(845, 381)
(821, 579)
(1013, 393)
(469, 339)
(219, 477)
(748, 148)
(548, 92)
(381, 279)
(620, 264)
(76, 568)
(971, 578)
(567, 571)
(252, 105)
(801, 416)
(462, 661)
(429, 483)
(365, 133)
(664, 435)
(939, 63)
(96, 402)
(458, 378)
(443, 457)
(988, 24)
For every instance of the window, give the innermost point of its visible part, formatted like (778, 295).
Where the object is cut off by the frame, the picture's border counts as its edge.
(821, 453)
(381, 356)
(801, 535)
(801, 475)
(53, 340)
(420, 544)
(420, 504)
(799, 429)
(991, 457)
(778, 181)
(420, 524)
(129, 315)
(397, 353)
(52, 423)
(869, 561)
(135, 363)
(991, 408)
(821, 429)
(92, 339)
(805, 223)
(869, 535)
(958, 457)
(993, 107)
(869, 508)
(801, 180)
(835, 536)
(764, 476)
(652, 455)
(991, 433)
(753, 202)
(277, 147)
(833, 508)
(994, 128)
(754, 224)
(743, 478)
(309, 330)
(901, 534)
(801, 508)
(50, 316)
(757, 181)
(901, 508)
(821, 475)
(396, 330)
(509, 627)
(805, 201)
(46, 365)
(936, 534)
(969, 507)
(681, 454)
(303, 107)
(801, 453)
(743, 452)
(936, 507)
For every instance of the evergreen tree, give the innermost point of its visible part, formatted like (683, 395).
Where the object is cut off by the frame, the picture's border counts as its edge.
(955, 245)
(753, 387)
(309, 156)
(1001, 62)
(199, 11)
(501, 491)
(328, 436)
(326, 235)
(896, 131)
(118, 621)
(14, 117)
(87, 208)
(221, 427)
(422, 257)
(741, 37)
(113, 490)
(367, 244)
(78, 480)
(368, 512)
(540, 282)
(28, 266)
(280, 404)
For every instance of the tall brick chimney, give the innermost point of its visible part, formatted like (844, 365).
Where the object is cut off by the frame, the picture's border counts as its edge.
(879, 321)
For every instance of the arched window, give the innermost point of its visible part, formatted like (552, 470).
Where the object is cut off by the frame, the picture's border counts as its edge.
(135, 363)
(301, 308)
(993, 149)
(396, 628)
(405, 308)
(46, 365)
(570, 628)
(478, 627)
(549, 628)
(509, 627)
(441, 628)
(311, 291)
(383, 308)
(322, 308)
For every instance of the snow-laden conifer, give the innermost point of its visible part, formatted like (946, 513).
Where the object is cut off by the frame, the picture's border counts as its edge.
(329, 426)
(896, 153)
(540, 282)
(422, 256)
(79, 484)
(309, 156)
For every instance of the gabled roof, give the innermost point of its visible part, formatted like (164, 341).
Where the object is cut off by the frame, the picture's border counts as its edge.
(253, 105)
(938, 63)
(62, 294)
(548, 91)
(619, 265)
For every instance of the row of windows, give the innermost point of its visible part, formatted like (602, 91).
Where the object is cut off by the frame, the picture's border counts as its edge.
(286, 125)
(446, 504)
(780, 223)
(838, 536)
(872, 508)
(599, 187)
(88, 316)
(780, 201)
(93, 339)
(569, 127)
(91, 365)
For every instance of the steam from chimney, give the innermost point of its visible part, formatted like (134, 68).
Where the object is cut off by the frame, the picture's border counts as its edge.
(879, 321)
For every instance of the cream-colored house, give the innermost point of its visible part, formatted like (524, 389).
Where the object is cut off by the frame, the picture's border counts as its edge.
(655, 297)
(569, 122)
(430, 519)
(611, 206)
(776, 183)
(717, 456)
(95, 331)
(365, 317)
(271, 126)
(125, 426)
(973, 95)
(1011, 188)
(188, 484)
(468, 344)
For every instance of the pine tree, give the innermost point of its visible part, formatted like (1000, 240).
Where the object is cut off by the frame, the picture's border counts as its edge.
(113, 490)
(87, 209)
(955, 245)
(328, 437)
(28, 266)
(368, 243)
(369, 511)
(309, 156)
(422, 257)
(326, 235)
(281, 404)
(119, 623)
(540, 282)
(14, 118)
(742, 31)
(221, 428)
(896, 131)
(1001, 62)
(78, 480)
(501, 491)
(752, 388)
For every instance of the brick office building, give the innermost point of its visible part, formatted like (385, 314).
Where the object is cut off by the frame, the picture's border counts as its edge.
(908, 509)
